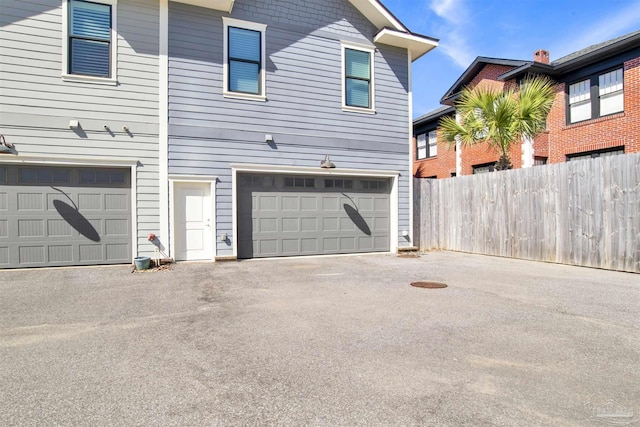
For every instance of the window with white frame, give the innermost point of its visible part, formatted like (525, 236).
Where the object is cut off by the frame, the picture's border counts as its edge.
(580, 101)
(427, 145)
(433, 144)
(90, 41)
(244, 59)
(611, 92)
(357, 78)
(421, 146)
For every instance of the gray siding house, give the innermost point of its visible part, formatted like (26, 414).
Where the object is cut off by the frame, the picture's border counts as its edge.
(226, 129)
(260, 94)
(79, 105)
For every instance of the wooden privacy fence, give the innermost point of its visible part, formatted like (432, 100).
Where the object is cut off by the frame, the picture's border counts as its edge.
(584, 212)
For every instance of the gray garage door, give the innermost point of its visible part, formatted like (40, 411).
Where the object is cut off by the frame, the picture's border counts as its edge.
(56, 216)
(311, 215)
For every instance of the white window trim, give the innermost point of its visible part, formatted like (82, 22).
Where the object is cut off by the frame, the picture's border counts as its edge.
(372, 51)
(430, 154)
(182, 179)
(262, 28)
(284, 170)
(112, 81)
(420, 145)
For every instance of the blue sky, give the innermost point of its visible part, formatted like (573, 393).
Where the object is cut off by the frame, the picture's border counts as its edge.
(503, 29)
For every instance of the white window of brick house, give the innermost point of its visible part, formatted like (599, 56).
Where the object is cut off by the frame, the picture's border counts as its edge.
(421, 146)
(611, 92)
(433, 144)
(580, 101)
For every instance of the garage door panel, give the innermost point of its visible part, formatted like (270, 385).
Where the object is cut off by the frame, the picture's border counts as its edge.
(285, 219)
(116, 202)
(4, 256)
(90, 202)
(118, 252)
(91, 253)
(116, 227)
(290, 203)
(30, 201)
(71, 223)
(60, 254)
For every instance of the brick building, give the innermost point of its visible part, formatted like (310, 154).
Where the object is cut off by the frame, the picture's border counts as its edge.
(596, 111)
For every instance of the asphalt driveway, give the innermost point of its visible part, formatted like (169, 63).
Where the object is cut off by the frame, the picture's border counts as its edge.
(321, 341)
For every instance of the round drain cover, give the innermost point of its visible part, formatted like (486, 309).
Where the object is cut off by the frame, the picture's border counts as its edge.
(428, 285)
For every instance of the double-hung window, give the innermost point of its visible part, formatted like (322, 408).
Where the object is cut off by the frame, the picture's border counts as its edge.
(580, 101)
(244, 58)
(90, 39)
(357, 78)
(427, 145)
(596, 96)
(421, 146)
(611, 92)
(433, 144)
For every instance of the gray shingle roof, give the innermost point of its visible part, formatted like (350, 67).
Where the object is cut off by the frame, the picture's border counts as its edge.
(592, 48)
(440, 111)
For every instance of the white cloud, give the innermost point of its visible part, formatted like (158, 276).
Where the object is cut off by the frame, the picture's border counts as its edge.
(453, 43)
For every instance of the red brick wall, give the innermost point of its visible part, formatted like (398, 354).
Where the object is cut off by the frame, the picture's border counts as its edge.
(442, 166)
(620, 129)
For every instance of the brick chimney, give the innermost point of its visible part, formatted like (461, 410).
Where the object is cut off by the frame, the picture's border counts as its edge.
(541, 56)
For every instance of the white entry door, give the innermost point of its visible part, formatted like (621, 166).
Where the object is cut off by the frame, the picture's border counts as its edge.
(193, 221)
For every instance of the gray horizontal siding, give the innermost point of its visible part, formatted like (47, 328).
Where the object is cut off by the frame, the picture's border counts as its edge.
(208, 132)
(303, 80)
(31, 34)
(212, 157)
(36, 105)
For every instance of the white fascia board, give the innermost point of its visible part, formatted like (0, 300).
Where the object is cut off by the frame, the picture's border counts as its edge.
(377, 14)
(222, 5)
(68, 161)
(242, 167)
(415, 44)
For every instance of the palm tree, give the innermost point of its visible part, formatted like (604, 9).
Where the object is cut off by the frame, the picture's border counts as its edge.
(500, 118)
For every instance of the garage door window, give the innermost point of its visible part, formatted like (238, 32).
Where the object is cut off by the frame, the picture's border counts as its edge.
(338, 183)
(291, 182)
(102, 177)
(44, 176)
(374, 185)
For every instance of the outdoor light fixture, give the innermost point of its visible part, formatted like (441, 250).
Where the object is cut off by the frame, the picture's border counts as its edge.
(326, 163)
(268, 138)
(74, 124)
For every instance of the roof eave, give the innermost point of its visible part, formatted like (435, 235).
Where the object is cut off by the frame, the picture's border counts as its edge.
(532, 68)
(416, 44)
(434, 115)
(598, 55)
(451, 93)
(221, 5)
(379, 15)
